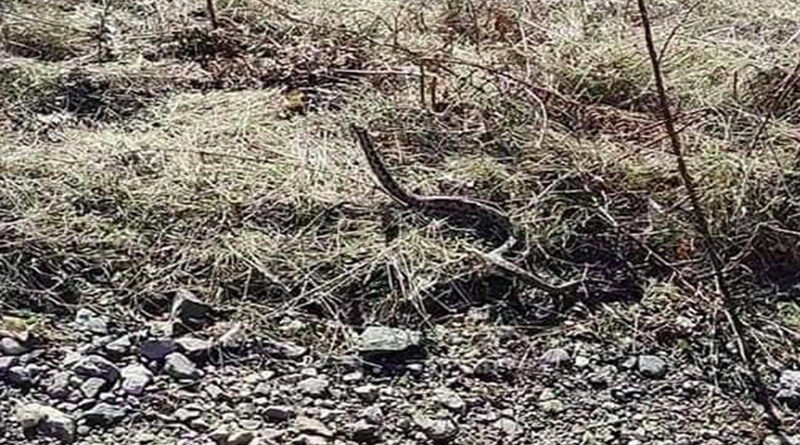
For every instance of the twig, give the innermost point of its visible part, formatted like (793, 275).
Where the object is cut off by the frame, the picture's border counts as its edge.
(702, 224)
(212, 13)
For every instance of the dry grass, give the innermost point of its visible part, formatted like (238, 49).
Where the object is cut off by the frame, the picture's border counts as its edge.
(220, 161)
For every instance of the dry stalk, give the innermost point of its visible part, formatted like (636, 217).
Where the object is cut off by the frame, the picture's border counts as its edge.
(212, 13)
(702, 225)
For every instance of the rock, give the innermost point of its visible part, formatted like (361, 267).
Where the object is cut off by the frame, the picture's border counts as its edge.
(214, 392)
(789, 388)
(373, 414)
(135, 378)
(352, 377)
(279, 413)
(92, 387)
(180, 367)
(508, 427)
(380, 340)
(120, 346)
(189, 309)
(556, 357)
(11, 346)
(184, 415)
(250, 424)
(220, 434)
(284, 350)
(16, 328)
(86, 319)
(553, 406)
(367, 393)
(307, 439)
(47, 421)
(449, 399)
(199, 425)
(652, 366)
(240, 437)
(441, 430)
(18, 376)
(193, 345)
(96, 366)
(6, 363)
(364, 432)
(158, 349)
(314, 386)
(308, 425)
(581, 362)
(104, 414)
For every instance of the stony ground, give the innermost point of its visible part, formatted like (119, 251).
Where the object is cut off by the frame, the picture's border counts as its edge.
(468, 381)
(193, 250)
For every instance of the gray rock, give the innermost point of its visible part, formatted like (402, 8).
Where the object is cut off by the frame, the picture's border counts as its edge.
(120, 346)
(352, 377)
(47, 421)
(263, 389)
(12, 346)
(556, 357)
(19, 376)
(652, 366)
(373, 414)
(96, 366)
(789, 388)
(184, 415)
(240, 437)
(157, 349)
(310, 439)
(199, 425)
(193, 345)
(189, 309)
(92, 387)
(279, 412)
(86, 319)
(438, 430)
(449, 399)
(214, 392)
(250, 424)
(6, 363)
(314, 386)
(581, 362)
(179, 366)
(553, 406)
(508, 427)
(364, 432)
(379, 340)
(284, 350)
(104, 414)
(367, 393)
(135, 378)
(308, 425)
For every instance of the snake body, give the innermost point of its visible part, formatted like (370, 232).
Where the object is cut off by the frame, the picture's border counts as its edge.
(453, 205)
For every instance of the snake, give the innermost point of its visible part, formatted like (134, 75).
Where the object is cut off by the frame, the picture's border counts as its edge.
(453, 205)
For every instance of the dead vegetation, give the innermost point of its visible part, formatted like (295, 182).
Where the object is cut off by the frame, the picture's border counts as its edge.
(218, 160)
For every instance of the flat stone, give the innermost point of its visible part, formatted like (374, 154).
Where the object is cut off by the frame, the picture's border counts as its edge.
(158, 349)
(193, 345)
(104, 414)
(314, 386)
(6, 363)
(11, 346)
(58, 386)
(184, 415)
(92, 387)
(18, 376)
(789, 388)
(47, 421)
(367, 393)
(179, 366)
(449, 399)
(508, 427)
(88, 320)
(96, 366)
(189, 309)
(279, 412)
(240, 437)
(385, 340)
(373, 414)
(135, 378)
(308, 425)
(652, 366)
(284, 350)
(556, 357)
(120, 346)
(553, 406)
(437, 430)
(364, 432)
